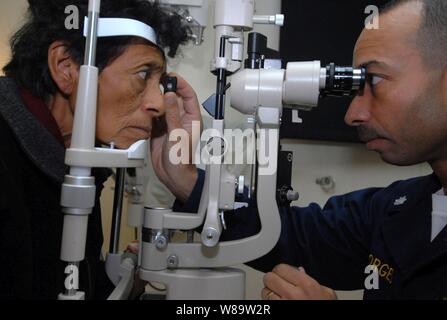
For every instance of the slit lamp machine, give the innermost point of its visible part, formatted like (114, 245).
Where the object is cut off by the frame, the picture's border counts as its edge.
(193, 269)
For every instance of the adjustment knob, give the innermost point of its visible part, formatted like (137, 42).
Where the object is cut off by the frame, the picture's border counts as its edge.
(292, 195)
(279, 20)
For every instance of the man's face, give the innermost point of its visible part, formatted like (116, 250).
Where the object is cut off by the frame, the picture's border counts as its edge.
(401, 114)
(129, 96)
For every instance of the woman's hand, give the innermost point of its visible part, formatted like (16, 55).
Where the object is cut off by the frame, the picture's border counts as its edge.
(182, 112)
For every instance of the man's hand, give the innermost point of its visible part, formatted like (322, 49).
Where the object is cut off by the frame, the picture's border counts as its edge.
(289, 283)
(182, 109)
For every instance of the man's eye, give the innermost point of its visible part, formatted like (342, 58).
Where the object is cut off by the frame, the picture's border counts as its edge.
(374, 79)
(143, 74)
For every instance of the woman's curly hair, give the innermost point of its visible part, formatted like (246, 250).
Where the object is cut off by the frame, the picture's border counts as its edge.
(46, 24)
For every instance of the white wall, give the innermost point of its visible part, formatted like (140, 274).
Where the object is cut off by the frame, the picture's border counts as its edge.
(351, 165)
(11, 13)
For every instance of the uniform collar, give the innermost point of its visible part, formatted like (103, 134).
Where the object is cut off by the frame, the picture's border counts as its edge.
(407, 229)
(415, 191)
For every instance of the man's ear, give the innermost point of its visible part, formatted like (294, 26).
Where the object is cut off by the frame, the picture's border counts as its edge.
(63, 69)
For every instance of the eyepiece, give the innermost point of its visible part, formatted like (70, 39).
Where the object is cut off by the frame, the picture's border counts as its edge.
(169, 84)
(344, 81)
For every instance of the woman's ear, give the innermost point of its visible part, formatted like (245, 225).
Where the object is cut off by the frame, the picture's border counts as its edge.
(63, 69)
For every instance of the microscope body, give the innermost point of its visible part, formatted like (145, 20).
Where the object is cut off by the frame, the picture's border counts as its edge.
(200, 270)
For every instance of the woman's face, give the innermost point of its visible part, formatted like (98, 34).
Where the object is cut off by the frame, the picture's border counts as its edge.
(129, 96)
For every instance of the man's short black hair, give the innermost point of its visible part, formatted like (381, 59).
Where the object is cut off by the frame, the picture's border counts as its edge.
(432, 35)
(46, 24)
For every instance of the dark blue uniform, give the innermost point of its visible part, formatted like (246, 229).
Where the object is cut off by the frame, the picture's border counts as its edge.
(386, 227)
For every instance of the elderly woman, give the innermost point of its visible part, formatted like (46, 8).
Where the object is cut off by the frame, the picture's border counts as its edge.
(37, 101)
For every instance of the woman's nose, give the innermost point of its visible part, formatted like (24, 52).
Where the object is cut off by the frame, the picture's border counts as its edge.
(153, 100)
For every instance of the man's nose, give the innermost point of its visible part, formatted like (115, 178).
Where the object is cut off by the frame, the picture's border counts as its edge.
(358, 112)
(153, 100)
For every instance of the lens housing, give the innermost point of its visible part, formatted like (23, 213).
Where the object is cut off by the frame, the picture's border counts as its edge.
(344, 81)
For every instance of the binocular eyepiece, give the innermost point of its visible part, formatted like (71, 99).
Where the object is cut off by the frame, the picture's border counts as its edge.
(340, 81)
(344, 81)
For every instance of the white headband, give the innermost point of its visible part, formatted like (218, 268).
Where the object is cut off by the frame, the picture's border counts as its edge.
(114, 27)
